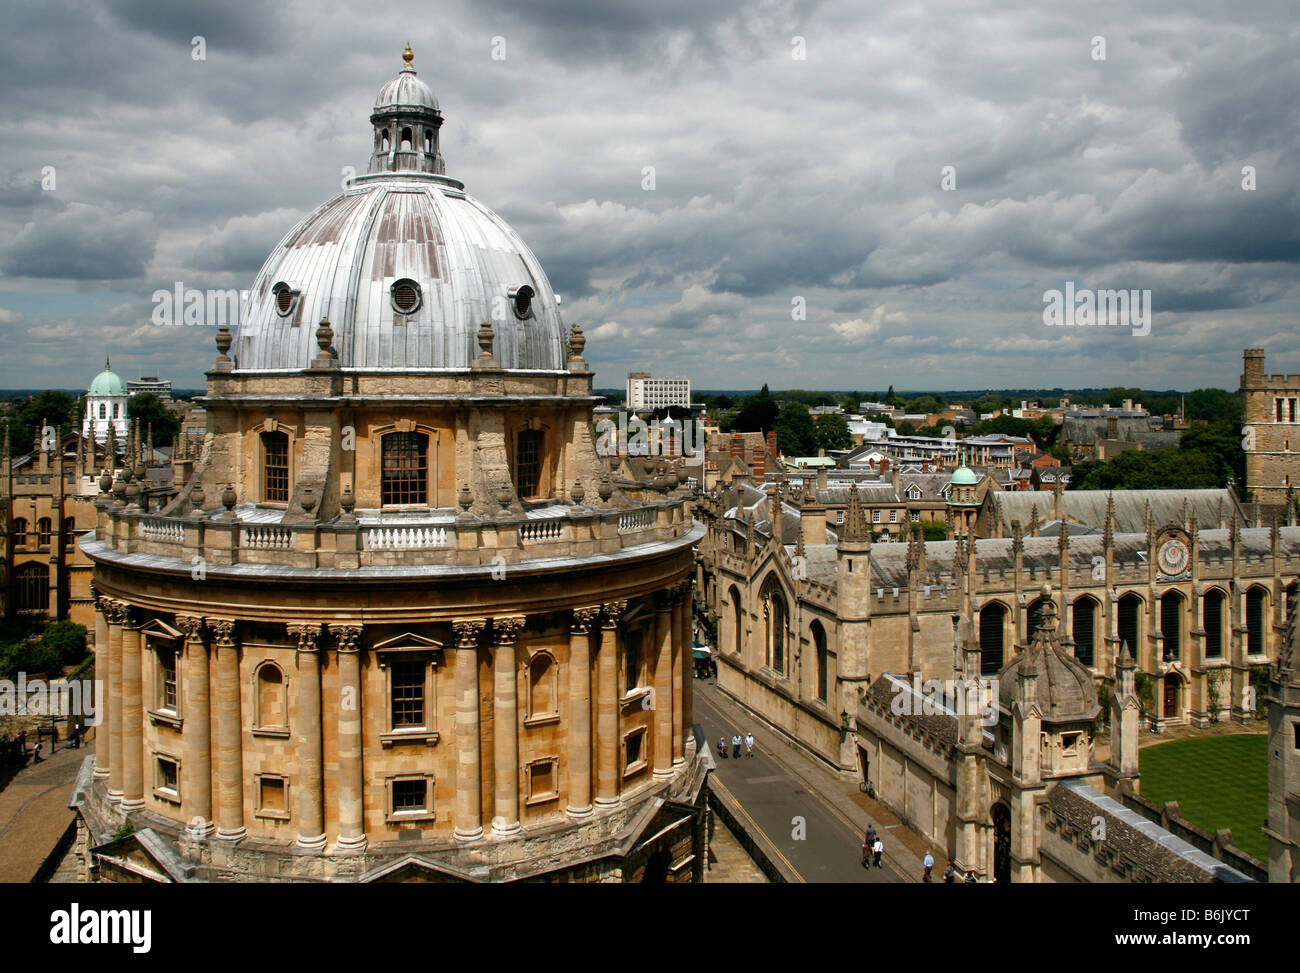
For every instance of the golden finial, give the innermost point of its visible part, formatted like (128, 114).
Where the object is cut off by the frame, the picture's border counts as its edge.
(407, 55)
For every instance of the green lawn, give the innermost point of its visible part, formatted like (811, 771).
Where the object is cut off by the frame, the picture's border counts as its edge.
(1218, 782)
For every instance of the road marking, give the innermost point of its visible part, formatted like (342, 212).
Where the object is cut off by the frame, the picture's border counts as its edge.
(728, 795)
(835, 811)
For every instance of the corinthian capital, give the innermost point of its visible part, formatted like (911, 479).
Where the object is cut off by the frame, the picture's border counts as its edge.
(584, 619)
(224, 629)
(468, 631)
(611, 612)
(307, 636)
(192, 626)
(506, 628)
(349, 636)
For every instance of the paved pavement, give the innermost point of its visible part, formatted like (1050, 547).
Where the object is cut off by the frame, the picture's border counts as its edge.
(34, 812)
(808, 821)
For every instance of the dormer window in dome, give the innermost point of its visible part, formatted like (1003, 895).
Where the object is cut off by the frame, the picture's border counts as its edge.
(406, 296)
(521, 299)
(286, 299)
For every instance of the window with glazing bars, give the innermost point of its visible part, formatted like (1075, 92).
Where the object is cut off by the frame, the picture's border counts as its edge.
(409, 795)
(408, 694)
(528, 462)
(275, 468)
(405, 468)
(167, 660)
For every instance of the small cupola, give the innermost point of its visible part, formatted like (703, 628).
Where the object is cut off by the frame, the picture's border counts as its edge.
(406, 120)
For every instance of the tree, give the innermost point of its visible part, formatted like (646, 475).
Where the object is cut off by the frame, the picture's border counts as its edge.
(905, 428)
(757, 415)
(796, 433)
(52, 407)
(833, 432)
(892, 399)
(154, 417)
(65, 641)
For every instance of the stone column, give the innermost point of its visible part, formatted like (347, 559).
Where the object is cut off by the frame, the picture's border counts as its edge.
(663, 685)
(469, 803)
(352, 826)
(101, 687)
(116, 612)
(132, 714)
(230, 733)
(311, 797)
(197, 788)
(678, 652)
(505, 750)
(584, 619)
(688, 670)
(607, 708)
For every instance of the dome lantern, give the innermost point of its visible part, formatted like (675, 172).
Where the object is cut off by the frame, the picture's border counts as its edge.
(406, 119)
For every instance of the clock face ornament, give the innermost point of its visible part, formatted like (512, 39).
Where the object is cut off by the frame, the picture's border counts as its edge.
(1173, 557)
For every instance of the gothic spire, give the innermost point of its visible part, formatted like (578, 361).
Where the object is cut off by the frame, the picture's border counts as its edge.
(855, 521)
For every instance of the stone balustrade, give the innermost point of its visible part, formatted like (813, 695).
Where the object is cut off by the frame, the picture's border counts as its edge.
(221, 540)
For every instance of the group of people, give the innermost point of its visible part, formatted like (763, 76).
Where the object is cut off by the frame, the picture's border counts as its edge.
(873, 847)
(736, 741)
(13, 750)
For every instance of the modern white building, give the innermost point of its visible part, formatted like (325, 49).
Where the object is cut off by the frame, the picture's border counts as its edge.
(161, 387)
(645, 392)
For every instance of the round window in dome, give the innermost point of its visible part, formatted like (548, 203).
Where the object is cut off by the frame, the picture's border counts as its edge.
(521, 298)
(286, 299)
(406, 296)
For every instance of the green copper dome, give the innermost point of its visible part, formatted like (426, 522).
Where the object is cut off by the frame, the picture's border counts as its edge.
(964, 476)
(107, 383)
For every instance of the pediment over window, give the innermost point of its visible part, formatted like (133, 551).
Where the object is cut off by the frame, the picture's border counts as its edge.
(407, 642)
(157, 628)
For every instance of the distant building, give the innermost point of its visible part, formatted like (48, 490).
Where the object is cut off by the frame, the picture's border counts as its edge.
(161, 387)
(106, 407)
(645, 393)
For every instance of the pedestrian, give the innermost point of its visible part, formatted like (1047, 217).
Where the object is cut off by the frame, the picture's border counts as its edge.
(722, 748)
(929, 867)
(877, 849)
(870, 838)
(36, 754)
(949, 874)
(866, 854)
(735, 745)
(76, 736)
(749, 744)
(969, 879)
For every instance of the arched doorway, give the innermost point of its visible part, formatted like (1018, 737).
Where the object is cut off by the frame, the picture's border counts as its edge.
(1001, 843)
(1172, 693)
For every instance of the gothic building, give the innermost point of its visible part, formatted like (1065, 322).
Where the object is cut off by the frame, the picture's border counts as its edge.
(820, 632)
(1271, 439)
(397, 624)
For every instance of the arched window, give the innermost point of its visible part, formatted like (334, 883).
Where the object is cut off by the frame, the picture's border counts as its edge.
(384, 141)
(823, 659)
(33, 587)
(1292, 594)
(405, 473)
(542, 694)
(69, 531)
(776, 624)
(632, 658)
(992, 638)
(1129, 624)
(1033, 615)
(103, 411)
(528, 462)
(117, 410)
(1212, 622)
(428, 142)
(43, 530)
(406, 140)
(1083, 623)
(737, 621)
(1171, 625)
(1255, 599)
(272, 712)
(275, 467)
(20, 532)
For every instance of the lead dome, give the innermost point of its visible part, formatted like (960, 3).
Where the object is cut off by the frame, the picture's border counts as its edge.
(404, 264)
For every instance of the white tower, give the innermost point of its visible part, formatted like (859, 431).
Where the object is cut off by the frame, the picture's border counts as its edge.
(105, 406)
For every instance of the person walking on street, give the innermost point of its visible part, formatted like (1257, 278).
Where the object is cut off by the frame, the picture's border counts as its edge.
(749, 744)
(735, 745)
(969, 879)
(877, 849)
(36, 754)
(949, 874)
(722, 748)
(929, 867)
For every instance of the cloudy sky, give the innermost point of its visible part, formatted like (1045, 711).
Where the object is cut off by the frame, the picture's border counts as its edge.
(799, 152)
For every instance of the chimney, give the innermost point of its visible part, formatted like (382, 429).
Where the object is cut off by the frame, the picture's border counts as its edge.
(759, 465)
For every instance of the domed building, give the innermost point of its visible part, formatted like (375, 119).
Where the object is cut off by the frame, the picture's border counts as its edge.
(397, 624)
(106, 407)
